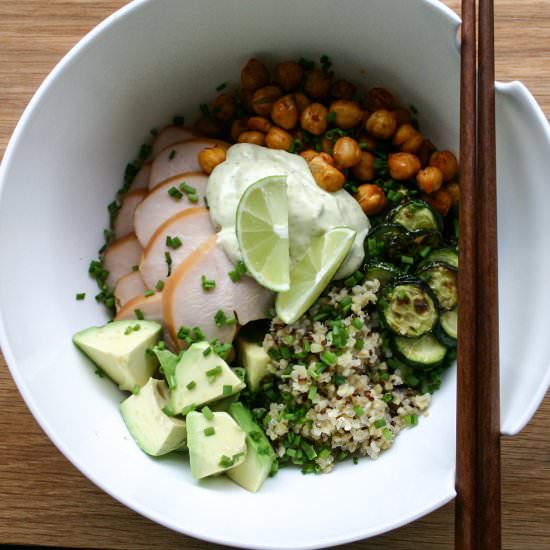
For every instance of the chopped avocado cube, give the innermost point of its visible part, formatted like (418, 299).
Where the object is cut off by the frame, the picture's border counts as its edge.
(119, 348)
(259, 456)
(255, 360)
(200, 379)
(154, 432)
(215, 453)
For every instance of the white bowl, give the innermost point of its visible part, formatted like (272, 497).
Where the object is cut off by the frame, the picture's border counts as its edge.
(64, 163)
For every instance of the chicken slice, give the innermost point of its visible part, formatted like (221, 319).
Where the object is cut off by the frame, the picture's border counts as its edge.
(170, 135)
(141, 181)
(120, 258)
(159, 205)
(188, 229)
(124, 221)
(128, 287)
(180, 157)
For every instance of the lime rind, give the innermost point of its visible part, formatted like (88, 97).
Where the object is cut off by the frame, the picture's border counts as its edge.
(262, 232)
(311, 275)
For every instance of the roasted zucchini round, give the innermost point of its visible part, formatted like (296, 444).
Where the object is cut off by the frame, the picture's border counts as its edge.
(382, 271)
(408, 307)
(425, 352)
(447, 328)
(448, 255)
(387, 242)
(442, 279)
(415, 215)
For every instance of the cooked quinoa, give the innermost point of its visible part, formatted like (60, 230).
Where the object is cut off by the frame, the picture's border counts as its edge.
(331, 394)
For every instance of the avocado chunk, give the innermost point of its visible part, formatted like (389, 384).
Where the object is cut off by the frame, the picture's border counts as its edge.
(202, 376)
(215, 441)
(154, 432)
(259, 455)
(255, 359)
(119, 348)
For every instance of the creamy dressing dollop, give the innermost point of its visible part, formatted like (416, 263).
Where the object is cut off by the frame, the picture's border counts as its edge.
(311, 210)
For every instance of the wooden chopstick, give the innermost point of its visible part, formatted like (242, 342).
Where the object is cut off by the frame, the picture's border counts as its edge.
(488, 387)
(477, 516)
(466, 459)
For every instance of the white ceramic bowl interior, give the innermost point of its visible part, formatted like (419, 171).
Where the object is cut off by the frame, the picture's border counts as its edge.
(154, 59)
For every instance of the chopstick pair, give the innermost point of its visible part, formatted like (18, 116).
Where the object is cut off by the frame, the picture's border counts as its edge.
(477, 512)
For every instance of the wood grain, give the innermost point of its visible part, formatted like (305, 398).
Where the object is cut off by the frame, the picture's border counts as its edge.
(45, 501)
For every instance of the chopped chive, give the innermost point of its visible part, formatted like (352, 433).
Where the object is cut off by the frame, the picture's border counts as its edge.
(80, 296)
(331, 116)
(139, 314)
(207, 351)
(359, 344)
(387, 398)
(328, 358)
(355, 460)
(227, 389)
(339, 379)
(411, 420)
(154, 132)
(207, 284)
(209, 431)
(312, 393)
(193, 198)
(359, 411)
(238, 272)
(191, 385)
(160, 285)
(324, 453)
(221, 86)
(220, 318)
(407, 260)
(135, 268)
(214, 372)
(148, 293)
(425, 251)
(168, 260)
(172, 154)
(357, 323)
(178, 120)
(208, 414)
(309, 450)
(380, 423)
(175, 193)
(188, 189)
(136, 389)
(386, 432)
(188, 409)
(226, 462)
(173, 242)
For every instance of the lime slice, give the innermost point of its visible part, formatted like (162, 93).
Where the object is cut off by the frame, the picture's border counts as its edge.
(310, 276)
(262, 232)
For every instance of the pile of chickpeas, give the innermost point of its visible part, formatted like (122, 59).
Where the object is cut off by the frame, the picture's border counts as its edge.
(303, 110)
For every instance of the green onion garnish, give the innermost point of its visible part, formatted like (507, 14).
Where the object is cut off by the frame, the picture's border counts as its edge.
(160, 285)
(380, 423)
(172, 154)
(148, 293)
(209, 431)
(207, 351)
(191, 385)
(139, 314)
(135, 389)
(175, 193)
(214, 372)
(227, 389)
(238, 272)
(207, 284)
(208, 414)
(328, 358)
(359, 411)
(173, 242)
(81, 296)
(357, 323)
(188, 409)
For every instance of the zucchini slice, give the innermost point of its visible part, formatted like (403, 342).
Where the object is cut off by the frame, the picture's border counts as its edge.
(382, 271)
(442, 279)
(387, 242)
(425, 352)
(447, 328)
(407, 307)
(415, 215)
(447, 255)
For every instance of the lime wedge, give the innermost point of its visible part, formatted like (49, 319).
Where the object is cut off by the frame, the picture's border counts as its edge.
(310, 276)
(262, 232)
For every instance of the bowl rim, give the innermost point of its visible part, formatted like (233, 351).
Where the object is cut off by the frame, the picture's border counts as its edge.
(70, 57)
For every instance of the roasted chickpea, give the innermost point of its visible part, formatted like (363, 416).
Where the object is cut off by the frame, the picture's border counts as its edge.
(343, 89)
(381, 124)
(378, 98)
(425, 152)
(403, 166)
(327, 158)
(364, 170)
(237, 128)
(314, 119)
(402, 115)
(309, 154)
(277, 138)
(441, 200)
(371, 198)
(454, 190)
(288, 75)
(259, 123)
(210, 127)
(326, 176)
(302, 101)
(263, 99)
(252, 136)
(347, 114)
(408, 137)
(429, 179)
(446, 162)
(223, 107)
(254, 75)
(317, 84)
(346, 153)
(285, 112)
(210, 158)
(246, 100)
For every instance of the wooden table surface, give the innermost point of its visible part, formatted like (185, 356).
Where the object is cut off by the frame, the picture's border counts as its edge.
(44, 500)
